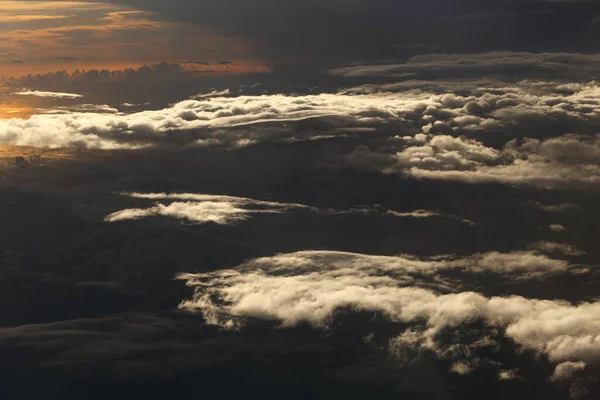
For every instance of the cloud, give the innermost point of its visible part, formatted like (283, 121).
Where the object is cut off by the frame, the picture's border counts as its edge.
(203, 208)
(462, 368)
(557, 228)
(564, 207)
(565, 161)
(377, 210)
(310, 286)
(520, 110)
(58, 95)
(200, 208)
(214, 93)
(559, 248)
(81, 108)
(567, 370)
(206, 119)
(502, 64)
(507, 375)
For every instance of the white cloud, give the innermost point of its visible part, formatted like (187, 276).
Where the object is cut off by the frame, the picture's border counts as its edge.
(567, 160)
(507, 375)
(557, 228)
(58, 95)
(208, 117)
(218, 119)
(214, 93)
(310, 286)
(462, 368)
(560, 248)
(567, 370)
(200, 208)
(96, 108)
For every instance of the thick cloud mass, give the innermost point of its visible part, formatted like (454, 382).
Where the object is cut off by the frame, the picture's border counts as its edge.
(210, 115)
(311, 286)
(522, 110)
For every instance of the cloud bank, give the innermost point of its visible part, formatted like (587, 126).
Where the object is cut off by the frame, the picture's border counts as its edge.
(564, 161)
(310, 286)
(519, 109)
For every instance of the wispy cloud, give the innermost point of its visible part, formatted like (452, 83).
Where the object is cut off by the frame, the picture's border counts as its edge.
(57, 95)
(200, 208)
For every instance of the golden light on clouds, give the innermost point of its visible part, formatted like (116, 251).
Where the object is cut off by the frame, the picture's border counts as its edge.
(29, 17)
(41, 36)
(19, 6)
(8, 112)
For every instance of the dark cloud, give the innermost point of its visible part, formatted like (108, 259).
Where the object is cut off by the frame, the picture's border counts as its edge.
(503, 65)
(334, 30)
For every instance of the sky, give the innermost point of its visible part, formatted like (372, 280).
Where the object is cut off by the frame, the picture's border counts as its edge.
(300, 199)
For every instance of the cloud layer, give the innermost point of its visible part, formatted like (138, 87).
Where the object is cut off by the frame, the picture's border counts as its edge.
(311, 286)
(564, 161)
(523, 109)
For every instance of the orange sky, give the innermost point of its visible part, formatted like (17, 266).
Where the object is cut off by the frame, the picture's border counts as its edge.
(37, 37)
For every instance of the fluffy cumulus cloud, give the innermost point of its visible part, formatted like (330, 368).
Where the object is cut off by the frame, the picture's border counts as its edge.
(535, 109)
(518, 109)
(200, 208)
(310, 286)
(206, 120)
(569, 160)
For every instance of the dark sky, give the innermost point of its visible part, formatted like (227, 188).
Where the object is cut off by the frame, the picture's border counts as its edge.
(355, 30)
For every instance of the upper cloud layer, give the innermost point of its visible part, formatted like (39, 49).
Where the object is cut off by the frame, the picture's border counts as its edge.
(524, 109)
(503, 65)
(205, 117)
